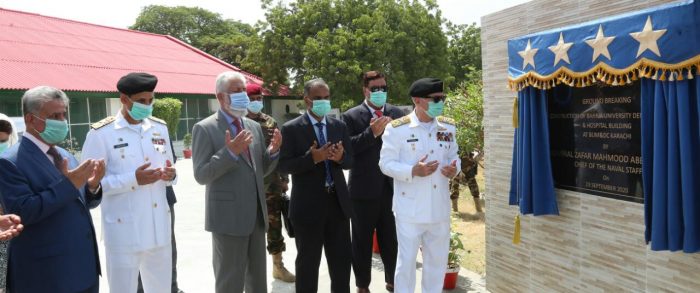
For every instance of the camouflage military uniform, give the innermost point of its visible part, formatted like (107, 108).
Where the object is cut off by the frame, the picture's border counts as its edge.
(468, 176)
(274, 184)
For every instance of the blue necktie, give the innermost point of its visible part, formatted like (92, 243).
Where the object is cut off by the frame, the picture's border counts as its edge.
(322, 142)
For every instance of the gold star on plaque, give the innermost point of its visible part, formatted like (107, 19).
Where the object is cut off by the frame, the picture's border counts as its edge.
(561, 50)
(648, 38)
(600, 44)
(528, 55)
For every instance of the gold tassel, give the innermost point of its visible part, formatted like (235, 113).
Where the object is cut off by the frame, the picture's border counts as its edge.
(516, 232)
(515, 112)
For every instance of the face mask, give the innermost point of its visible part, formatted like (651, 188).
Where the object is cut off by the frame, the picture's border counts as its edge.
(4, 146)
(435, 109)
(255, 107)
(239, 101)
(321, 107)
(140, 111)
(377, 98)
(55, 130)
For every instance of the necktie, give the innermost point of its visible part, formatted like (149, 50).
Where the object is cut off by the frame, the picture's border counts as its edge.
(322, 142)
(57, 158)
(239, 128)
(378, 113)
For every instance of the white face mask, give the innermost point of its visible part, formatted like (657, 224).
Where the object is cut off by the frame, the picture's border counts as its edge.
(238, 113)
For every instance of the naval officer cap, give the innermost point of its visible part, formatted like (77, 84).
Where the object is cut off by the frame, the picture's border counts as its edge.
(136, 82)
(425, 86)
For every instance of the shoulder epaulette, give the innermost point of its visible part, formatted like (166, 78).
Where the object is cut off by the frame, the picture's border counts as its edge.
(446, 120)
(103, 122)
(161, 121)
(401, 121)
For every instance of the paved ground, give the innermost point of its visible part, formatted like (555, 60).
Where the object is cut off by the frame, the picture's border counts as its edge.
(195, 273)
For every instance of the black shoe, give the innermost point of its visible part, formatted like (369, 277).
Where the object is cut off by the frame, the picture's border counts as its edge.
(389, 287)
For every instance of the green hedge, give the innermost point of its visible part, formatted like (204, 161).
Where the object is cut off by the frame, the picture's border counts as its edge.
(168, 109)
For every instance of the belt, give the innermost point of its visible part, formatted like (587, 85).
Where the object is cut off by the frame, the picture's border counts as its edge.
(330, 189)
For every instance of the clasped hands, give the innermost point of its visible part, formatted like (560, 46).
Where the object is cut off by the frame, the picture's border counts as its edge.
(145, 176)
(423, 168)
(329, 151)
(90, 172)
(244, 138)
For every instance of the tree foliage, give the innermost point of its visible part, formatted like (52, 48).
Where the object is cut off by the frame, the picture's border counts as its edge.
(226, 39)
(168, 109)
(339, 39)
(464, 50)
(465, 105)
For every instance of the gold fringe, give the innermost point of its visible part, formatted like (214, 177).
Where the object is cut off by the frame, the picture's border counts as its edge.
(643, 68)
(515, 112)
(516, 231)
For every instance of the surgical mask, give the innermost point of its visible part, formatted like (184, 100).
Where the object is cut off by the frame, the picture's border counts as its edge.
(239, 101)
(55, 130)
(255, 107)
(140, 111)
(377, 98)
(321, 107)
(4, 146)
(435, 109)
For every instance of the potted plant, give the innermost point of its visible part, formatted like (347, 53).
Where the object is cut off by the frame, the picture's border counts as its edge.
(454, 259)
(187, 141)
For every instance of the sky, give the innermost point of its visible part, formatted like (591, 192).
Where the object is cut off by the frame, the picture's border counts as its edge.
(122, 13)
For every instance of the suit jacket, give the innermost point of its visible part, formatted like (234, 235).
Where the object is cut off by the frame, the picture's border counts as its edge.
(57, 251)
(234, 187)
(366, 180)
(309, 196)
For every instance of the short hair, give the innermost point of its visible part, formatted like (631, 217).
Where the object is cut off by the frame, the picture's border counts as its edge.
(314, 83)
(5, 126)
(35, 98)
(225, 78)
(370, 76)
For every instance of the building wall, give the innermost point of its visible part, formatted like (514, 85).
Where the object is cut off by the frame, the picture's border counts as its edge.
(596, 244)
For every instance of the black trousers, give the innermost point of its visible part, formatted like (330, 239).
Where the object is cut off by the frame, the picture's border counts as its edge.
(332, 234)
(371, 215)
(174, 287)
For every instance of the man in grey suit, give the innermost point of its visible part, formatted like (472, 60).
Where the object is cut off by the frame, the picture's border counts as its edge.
(230, 158)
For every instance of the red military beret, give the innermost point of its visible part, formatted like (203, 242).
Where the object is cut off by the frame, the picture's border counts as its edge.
(253, 89)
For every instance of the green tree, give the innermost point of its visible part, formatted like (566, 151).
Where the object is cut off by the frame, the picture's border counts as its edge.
(465, 104)
(464, 50)
(339, 39)
(226, 39)
(169, 110)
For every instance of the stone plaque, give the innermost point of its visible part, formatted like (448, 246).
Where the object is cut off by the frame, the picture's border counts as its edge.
(595, 140)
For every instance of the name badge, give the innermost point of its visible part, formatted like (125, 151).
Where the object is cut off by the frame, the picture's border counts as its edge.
(412, 140)
(121, 145)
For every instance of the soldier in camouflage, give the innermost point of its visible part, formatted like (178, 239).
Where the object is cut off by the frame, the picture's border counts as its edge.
(468, 176)
(275, 186)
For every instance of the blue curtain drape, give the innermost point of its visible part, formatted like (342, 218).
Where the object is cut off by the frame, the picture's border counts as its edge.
(671, 164)
(532, 184)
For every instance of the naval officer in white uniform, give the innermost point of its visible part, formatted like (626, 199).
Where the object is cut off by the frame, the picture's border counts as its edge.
(135, 212)
(420, 154)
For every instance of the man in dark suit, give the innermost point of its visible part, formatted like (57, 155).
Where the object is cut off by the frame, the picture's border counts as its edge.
(370, 190)
(42, 184)
(315, 150)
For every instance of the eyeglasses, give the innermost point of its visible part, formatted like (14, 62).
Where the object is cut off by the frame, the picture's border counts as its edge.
(378, 89)
(436, 99)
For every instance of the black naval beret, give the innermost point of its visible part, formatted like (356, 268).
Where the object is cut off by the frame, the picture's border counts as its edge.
(137, 82)
(425, 86)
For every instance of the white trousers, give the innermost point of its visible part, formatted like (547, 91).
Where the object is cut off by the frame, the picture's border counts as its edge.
(155, 266)
(434, 239)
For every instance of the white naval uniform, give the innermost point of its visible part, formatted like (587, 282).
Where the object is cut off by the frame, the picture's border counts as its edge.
(135, 218)
(421, 205)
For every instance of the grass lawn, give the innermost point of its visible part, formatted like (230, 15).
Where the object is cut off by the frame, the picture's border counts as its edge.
(471, 225)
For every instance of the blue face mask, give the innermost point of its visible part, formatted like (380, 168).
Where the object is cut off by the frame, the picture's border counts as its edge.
(435, 109)
(321, 107)
(55, 130)
(255, 107)
(377, 98)
(140, 111)
(239, 101)
(4, 146)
